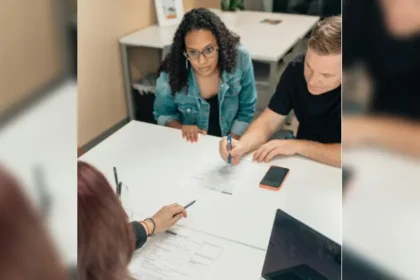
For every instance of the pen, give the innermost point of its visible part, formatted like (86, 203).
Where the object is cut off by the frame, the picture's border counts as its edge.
(119, 189)
(117, 183)
(229, 147)
(173, 233)
(189, 204)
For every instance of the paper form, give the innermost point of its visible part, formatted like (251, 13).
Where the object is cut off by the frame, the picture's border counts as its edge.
(175, 257)
(218, 176)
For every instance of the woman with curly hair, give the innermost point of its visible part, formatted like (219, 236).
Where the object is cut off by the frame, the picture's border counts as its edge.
(206, 83)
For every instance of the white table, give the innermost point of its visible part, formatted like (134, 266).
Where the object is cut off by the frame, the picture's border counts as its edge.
(150, 160)
(266, 43)
(381, 210)
(46, 135)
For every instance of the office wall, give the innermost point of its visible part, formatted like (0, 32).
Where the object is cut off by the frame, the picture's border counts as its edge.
(101, 97)
(207, 3)
(31, 48)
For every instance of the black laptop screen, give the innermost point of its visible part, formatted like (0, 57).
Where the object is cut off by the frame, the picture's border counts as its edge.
(297, 252)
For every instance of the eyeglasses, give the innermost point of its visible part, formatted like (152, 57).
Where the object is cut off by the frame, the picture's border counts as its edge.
(207, 53)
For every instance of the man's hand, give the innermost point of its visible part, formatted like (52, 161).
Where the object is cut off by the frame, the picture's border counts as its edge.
(190, 132)
(274, 148)
(238, 150)
(356, 131)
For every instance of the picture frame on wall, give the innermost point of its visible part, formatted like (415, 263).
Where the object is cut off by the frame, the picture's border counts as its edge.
(169, 12)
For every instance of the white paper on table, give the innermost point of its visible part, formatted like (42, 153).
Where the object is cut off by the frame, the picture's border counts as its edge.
(175, 257)
(215, 175)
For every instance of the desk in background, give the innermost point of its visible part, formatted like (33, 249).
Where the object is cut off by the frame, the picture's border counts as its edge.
(266, 43)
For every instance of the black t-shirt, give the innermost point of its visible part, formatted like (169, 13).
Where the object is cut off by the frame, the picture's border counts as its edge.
(319, 116)
(393, 64)
(140, 235)
(214, 123)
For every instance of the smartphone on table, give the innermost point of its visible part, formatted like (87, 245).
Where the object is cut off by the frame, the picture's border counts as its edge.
(274, 178)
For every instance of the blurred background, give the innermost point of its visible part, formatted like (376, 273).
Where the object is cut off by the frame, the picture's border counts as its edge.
(38, 141)
(381, 139)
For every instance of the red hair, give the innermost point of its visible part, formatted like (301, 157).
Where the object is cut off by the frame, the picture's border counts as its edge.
(26, 250)
(105, 237)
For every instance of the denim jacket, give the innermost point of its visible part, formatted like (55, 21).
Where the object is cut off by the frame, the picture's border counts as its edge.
(237, 99)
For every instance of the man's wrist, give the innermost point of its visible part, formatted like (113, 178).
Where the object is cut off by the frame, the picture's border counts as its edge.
(246, 146)
(372, 128)
(298, 146)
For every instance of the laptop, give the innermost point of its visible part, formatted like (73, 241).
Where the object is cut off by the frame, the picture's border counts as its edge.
(298, 252)
(356, 267)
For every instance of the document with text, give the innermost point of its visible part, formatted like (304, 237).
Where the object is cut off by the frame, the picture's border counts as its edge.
(216, 175)
(175, 257)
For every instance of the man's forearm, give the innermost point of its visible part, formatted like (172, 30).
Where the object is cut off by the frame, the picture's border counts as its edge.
(326, 153)
(395, 134)
(256, 135)
(260, 131)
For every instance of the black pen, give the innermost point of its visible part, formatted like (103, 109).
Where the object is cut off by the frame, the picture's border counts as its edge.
(117, 183)
(189, 204)
(119, 189)
(171, 232)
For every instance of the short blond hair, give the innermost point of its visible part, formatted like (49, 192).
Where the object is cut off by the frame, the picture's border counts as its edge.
(326, 36)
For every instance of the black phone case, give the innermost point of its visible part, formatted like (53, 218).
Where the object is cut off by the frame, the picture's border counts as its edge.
(275, 176)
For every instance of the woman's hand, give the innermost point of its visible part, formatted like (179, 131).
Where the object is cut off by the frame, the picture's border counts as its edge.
(167, 216)
(190, 132)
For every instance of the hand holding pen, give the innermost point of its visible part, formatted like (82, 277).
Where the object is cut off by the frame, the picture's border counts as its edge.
(169, 215)
(231, 150)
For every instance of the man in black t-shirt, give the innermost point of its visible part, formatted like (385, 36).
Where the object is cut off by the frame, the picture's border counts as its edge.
(311, 86)
(384, 36)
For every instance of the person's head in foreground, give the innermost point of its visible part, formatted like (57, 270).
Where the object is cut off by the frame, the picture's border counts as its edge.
(106, 240)
(202, 42)
(323, 58)
(26, 251)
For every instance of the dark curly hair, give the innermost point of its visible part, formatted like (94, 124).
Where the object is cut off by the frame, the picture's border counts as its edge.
(196, 19)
